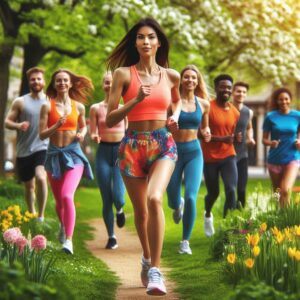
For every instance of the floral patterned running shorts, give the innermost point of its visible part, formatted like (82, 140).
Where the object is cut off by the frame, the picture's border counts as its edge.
(140, 149)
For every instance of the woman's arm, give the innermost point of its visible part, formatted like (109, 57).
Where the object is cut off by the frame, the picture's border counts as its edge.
(268, 142)
(82, 130)
(121, 79)
(44, 131)
(93, 123)
(205, 130)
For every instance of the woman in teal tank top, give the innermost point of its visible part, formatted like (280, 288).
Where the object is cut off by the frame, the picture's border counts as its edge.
(193, 118)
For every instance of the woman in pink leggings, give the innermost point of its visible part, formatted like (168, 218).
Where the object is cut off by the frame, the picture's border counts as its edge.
(62, 120)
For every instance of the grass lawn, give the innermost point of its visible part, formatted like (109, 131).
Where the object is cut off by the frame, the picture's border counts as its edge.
(197, 276)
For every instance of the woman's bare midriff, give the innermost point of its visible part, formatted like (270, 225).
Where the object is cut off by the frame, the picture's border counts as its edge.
(185, 135)
(112, 137)
(63, 138)
(148, 125)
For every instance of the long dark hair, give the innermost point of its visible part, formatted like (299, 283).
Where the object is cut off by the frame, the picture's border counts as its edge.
(200, 90)
(125, 53)
(273, 105)
(81, 89)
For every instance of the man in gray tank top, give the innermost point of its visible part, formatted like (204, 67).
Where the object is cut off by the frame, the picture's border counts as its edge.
(244, 126)
(24, 116)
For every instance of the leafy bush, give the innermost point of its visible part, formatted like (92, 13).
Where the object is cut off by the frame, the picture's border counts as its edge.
(11, 190)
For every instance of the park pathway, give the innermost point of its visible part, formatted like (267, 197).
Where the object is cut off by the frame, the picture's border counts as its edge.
(125, 262)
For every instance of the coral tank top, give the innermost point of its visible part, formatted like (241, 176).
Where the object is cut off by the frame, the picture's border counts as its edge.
(153, 107)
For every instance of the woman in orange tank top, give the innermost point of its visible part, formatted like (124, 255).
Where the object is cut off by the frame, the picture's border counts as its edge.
(62, 120)
(147, 153)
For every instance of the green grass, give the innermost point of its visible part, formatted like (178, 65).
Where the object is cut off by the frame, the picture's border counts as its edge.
(196, 276)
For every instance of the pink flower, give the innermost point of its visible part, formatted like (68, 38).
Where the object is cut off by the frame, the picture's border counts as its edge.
(11, 235)
(39, 242)
(21, 243)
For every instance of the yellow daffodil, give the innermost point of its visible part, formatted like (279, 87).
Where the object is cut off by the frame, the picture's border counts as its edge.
(231, 258)
(297, 255)
(297, 198)
(26, 219)
(252, 239)
(297, 230)
(256, 251)
(275, 230)
(263, 227)
(291, 252)
(249, 263)
(288, 234)
(279, 237)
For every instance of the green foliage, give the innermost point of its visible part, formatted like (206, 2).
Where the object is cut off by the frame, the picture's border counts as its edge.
(258, 290)
(11, 190)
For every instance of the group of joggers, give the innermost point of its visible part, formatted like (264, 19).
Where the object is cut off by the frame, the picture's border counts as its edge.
(167, 132)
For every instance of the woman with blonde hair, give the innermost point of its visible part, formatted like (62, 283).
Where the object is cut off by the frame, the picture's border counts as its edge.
(193, 122)
(62, 120)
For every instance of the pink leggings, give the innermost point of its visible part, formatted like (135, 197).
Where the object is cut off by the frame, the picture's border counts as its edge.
(63, 190)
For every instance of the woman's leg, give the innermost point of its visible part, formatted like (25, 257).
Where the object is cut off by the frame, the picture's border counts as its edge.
(71, 179)
(159, 177)
(137, 191)
(104, 181)
(192, 177)
(289, 176)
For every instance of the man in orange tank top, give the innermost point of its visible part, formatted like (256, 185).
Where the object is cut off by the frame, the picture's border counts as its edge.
(219, 154)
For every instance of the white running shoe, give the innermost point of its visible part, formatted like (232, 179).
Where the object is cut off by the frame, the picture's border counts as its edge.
(68, 247)
(144, 273)
(62, 234)
(184, 247)
(156, 285)
(209, 225)
(178, 213)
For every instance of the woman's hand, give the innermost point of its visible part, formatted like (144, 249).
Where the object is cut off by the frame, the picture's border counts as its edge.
(274, 143)
(62, 120)
(205, 132)
(96, 138)
(79, 137)
(172, 124)
(143, 92)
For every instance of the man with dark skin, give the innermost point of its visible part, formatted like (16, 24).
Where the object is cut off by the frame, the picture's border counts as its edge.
(219, 154)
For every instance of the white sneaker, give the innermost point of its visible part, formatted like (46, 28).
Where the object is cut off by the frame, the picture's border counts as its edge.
(62, 234)
(184, 247)
(209, 225)
(178, 213)
(156, 285)
(144, 273)
(68, 247)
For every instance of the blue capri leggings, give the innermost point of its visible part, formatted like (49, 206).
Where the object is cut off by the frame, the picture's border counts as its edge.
(190, 163)
(110, 182)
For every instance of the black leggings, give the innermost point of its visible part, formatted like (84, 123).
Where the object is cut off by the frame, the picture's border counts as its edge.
(228, 170)
(242, 167)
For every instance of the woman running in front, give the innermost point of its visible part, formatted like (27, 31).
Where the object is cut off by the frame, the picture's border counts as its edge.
(62, 120)
(281, 132)
(147, 153)
(193, 118)
(108, 173)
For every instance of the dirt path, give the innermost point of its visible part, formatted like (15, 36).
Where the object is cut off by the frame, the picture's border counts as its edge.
(125, 262)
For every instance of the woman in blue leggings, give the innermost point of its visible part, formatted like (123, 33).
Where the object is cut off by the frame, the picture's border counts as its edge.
(108, 174)
(193, 119)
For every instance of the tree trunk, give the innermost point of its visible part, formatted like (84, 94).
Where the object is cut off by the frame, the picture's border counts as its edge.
(33, 54)
(6, 53)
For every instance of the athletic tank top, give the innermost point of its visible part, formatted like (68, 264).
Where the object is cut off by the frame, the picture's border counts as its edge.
(28, 142)
(190, 120)
(241, 126)
(72, 117)
(102, 128)
(153, 107)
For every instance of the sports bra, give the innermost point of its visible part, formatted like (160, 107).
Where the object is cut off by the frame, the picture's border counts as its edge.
(71, 120)
(102, 128)
(190, 120)
(153, 107)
